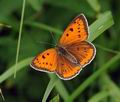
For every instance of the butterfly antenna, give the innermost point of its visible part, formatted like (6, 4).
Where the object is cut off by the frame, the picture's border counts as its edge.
(46, 43)
(52, 34)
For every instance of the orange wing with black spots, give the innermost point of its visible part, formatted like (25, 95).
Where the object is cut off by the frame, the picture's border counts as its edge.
(83, 51)
(46, 61)
(65, 69)
(77, 31)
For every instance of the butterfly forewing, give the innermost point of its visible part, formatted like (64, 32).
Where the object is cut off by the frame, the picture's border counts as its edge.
(46, 61)
(77, 31)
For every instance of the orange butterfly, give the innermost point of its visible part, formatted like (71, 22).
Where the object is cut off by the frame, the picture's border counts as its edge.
(71, 54)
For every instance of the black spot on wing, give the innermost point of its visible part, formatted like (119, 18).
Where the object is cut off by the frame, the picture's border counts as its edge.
(71, 29)
(43, 56)
(67, 34)
(50, 64)
(85, 49)
(79, 36)
(48, 54)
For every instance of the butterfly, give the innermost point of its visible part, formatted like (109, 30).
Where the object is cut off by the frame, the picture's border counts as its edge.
(72, 53)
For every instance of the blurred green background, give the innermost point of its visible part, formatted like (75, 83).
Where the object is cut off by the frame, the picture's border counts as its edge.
(98, 82)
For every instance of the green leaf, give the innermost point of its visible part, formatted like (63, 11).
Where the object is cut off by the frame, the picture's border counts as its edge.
(4, 25)
(20, 34)
(111, 87)
(75, 6)
(10, 71)
(55, 99)
(43, 26)
(8, 7)
(99, 96)
(104, 22)
(50, 86)
(60, 88)
(36, 4)
(95, 5)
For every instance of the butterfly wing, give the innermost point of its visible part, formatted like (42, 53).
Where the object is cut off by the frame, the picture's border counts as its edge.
(77, 31)
(65, 69)
(83, 51)
(46, 61)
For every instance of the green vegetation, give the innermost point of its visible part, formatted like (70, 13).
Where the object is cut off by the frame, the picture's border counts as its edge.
(24, 24)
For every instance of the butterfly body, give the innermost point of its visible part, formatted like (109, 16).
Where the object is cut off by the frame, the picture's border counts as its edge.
(63, 52)
(72, 53)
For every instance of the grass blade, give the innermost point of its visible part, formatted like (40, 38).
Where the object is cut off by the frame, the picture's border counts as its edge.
(43, 26)
(100, 25)
(97, 97)
(60, 88)
(50, 86)
(113, 89)
(106, 49)
(109, 89)
(10, 71)
(19, 38)
(2, 95)
(55, 99)
(95, 5)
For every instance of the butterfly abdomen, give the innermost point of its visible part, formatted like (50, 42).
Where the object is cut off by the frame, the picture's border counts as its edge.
(63, 52)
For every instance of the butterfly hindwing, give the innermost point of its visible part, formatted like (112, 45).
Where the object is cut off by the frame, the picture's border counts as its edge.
(83, 51)
(65, 69)
(77, 31)
(46, 61)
